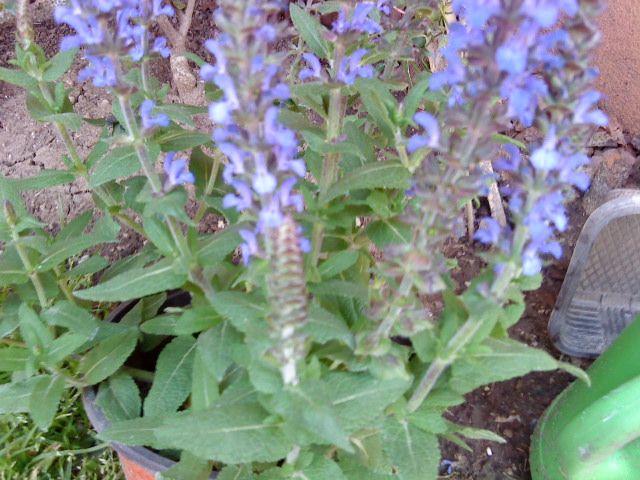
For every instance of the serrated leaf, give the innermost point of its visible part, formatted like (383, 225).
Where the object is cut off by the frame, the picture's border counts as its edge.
(310, 29)
(121, 162)
(180, 139)
(339, 288)
(13, 358)
(190, 467)
(59, 64)
(240, 308)
(322, 326)
(338, 263)
(107, 357)
(14, 397)
(387, 232)
(44, 179)
(172, 381)
(67, 248)
(229, 434)
(414, 453)
(19, 78)
(204, 386)
(74, 318)
(359, 398)
(63, 347)
(321, 468)
(139, 431)
(43, 403)
(385, 174)
(119, 399)
(501, 360)
(215, 347)
(215, 248)
(137, 283)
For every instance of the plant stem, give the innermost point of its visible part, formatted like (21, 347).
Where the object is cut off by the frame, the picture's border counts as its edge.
(31, 271)
(138, 144)
(142, 375)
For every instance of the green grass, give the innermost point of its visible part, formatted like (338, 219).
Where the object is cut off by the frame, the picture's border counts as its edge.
(69, 450)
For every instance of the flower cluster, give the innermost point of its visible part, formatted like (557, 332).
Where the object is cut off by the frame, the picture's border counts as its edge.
(262, 168)
(509, 65)
(348, 28)
(104, 45)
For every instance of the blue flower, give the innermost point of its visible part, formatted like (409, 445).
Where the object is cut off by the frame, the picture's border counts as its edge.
(349, 75)
(547, 157)
(250, 245)
(102, 70)
(383, 7)
(430, 125)
(581, 113)
(568, 173)
(148, 122)
(476, 12)
(360, 21)
(315, 70)
(241, 202)
(511, 163)
(263, 181)
(512, 56)
(176, 171)
(159, 9)
(490, 231)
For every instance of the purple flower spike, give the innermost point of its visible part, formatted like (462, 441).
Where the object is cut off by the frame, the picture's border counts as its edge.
(263, 181)
(176, 171)
(315, 70)
(430, 125)
(547, 157)
(148, 122)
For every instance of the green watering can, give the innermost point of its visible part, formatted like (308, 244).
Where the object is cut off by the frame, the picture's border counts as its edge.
(593, 432)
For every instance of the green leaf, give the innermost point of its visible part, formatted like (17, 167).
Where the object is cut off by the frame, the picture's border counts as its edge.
(387, 232)
(44, 179)
(59, 64)
(100, 148)
(379, 102)
(190, 467)
(215, 248)
(107, 357)
(215, 347)
(12, 359)
(338, 263)
(43, 403)
(340, 288)
(67, 248)
(240, 308)
(311, 30)
(385, 174)
(121, 162)
(504, 139)
(323, 326)
(75, 227)
(172, 382)
(14, 397)
(139, 431)
(137, 283)
(236, 472)
(12, 270)
(359, 398)
(63, 347)
(177, 112)
(475, 433)
(204, 385)
(229, 434)
(414, 453)
(414, 98)
(356, 471)
(42, 113)
(180, 139)
(498, 360)
(119, 398)
(34, 333)
(19, 78)
(88, 266)
(321, 468)
(74, 318)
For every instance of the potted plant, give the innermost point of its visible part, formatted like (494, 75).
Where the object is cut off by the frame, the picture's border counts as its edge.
(299, 353)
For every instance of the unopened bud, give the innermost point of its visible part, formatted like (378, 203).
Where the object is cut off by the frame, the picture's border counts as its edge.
(24, 24)
(9, 212)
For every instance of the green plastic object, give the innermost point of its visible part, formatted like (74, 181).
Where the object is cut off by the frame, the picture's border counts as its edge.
(593, 432)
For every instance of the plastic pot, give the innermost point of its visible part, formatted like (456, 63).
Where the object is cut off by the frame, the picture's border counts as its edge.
(138, 463)
(593, 433)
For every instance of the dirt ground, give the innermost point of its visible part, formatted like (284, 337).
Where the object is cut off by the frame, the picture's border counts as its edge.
(510, 408)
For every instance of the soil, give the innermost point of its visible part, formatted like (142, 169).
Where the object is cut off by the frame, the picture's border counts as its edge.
(510, 408)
